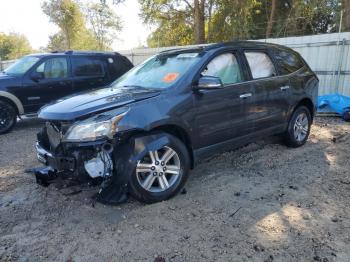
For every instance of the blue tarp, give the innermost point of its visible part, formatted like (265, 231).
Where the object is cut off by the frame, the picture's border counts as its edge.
(334, 103)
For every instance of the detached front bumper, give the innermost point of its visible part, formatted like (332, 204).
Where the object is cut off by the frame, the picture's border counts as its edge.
(58, 163)
(102, 162)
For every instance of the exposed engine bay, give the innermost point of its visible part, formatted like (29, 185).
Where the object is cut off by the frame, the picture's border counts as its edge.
(105, 163)
(89, 162)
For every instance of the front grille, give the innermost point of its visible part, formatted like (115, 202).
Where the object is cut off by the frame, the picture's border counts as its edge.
(54, 134)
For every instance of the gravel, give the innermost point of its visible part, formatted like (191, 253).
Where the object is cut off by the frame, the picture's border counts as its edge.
(262, 202)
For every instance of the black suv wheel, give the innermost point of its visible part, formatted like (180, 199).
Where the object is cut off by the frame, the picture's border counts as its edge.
(160, 174)
(299, 127)
(8, 116)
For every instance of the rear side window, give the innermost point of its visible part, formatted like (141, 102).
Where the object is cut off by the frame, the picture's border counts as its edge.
(260, 64)
(117, 66)
(226, 67)
(288, 61)
(87, 66)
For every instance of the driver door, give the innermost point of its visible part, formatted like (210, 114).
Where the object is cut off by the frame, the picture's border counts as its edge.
(221, 113)
(48, 81)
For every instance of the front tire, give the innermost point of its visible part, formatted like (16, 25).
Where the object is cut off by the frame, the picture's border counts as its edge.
(8, 116)
(161, 173)
(298, 127)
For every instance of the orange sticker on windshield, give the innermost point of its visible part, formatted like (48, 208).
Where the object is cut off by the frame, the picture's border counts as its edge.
(170, 77)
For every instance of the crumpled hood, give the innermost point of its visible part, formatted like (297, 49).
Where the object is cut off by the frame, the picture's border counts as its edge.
(83, 104)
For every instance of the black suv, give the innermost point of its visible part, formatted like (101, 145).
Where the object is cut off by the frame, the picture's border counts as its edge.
(145, 132)
(38, 79)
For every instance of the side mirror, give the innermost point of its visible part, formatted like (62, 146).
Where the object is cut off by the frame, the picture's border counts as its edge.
(36, 76)
(209, 82)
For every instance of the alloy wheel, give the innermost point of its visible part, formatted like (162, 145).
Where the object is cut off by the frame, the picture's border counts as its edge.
(6, 117)
(159, 170)
(301, 127)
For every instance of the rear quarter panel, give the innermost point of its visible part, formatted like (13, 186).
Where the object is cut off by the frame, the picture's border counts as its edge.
(304, 85)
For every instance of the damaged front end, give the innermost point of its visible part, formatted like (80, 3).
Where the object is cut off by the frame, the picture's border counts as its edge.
(83, 152)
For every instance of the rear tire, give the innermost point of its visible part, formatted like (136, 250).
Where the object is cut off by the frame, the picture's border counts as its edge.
(298, 127)
(160, 174)
(8, 116)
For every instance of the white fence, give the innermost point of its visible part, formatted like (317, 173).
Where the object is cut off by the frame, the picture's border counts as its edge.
(5, 64)
(328, 55)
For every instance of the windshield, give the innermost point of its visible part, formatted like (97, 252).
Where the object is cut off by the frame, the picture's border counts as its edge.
(22, 65)
(160, 71)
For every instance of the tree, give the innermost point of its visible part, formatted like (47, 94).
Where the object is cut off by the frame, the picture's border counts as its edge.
(171, 33)
(73, 33)
(185, 12)
(232, 20)
(104, 24)
(314, 17)
(347, 15)
(198, 21)
(13, 46)
(272, 18)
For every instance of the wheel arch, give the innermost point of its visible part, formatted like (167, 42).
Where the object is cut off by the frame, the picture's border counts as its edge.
(307, 102)
(13, 100)
(179, 133)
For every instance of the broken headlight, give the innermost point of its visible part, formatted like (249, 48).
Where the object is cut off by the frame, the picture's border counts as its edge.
(99, 126)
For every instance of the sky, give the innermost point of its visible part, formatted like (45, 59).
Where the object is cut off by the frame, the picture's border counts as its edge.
(25, 17)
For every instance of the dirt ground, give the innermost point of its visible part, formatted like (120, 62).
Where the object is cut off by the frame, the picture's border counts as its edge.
(262, 202)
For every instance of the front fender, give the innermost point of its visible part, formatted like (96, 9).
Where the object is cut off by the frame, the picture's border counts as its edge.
(125, 158)
(14, 100)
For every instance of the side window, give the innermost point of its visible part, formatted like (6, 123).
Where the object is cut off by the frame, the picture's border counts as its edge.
(118, 65)
(288, 61)
(87, 66)
(54, 68)
(225, 67)
(115, 67)
(260, 64)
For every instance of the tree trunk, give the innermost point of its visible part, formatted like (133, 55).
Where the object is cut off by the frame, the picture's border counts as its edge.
(210, 9)
(347, 15)
(271, 19)
(199, 21)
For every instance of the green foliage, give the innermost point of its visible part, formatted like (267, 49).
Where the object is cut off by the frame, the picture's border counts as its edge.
(234, 19)
(174, 21)
(314, 17)
(13, 46)
(104, 23)
(74, 33)
(171, 33)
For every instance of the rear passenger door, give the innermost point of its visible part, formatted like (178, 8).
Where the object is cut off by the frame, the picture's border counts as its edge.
(270, 92)
(88, 72)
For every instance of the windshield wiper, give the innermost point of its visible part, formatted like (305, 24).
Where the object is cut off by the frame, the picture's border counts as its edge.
(143, 87)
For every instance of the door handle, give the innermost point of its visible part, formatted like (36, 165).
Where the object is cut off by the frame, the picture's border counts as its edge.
(284, 88)
(244, 96)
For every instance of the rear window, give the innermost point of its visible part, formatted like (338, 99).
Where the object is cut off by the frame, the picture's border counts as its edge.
(288, 61)
(87, 66)
(260, 64)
